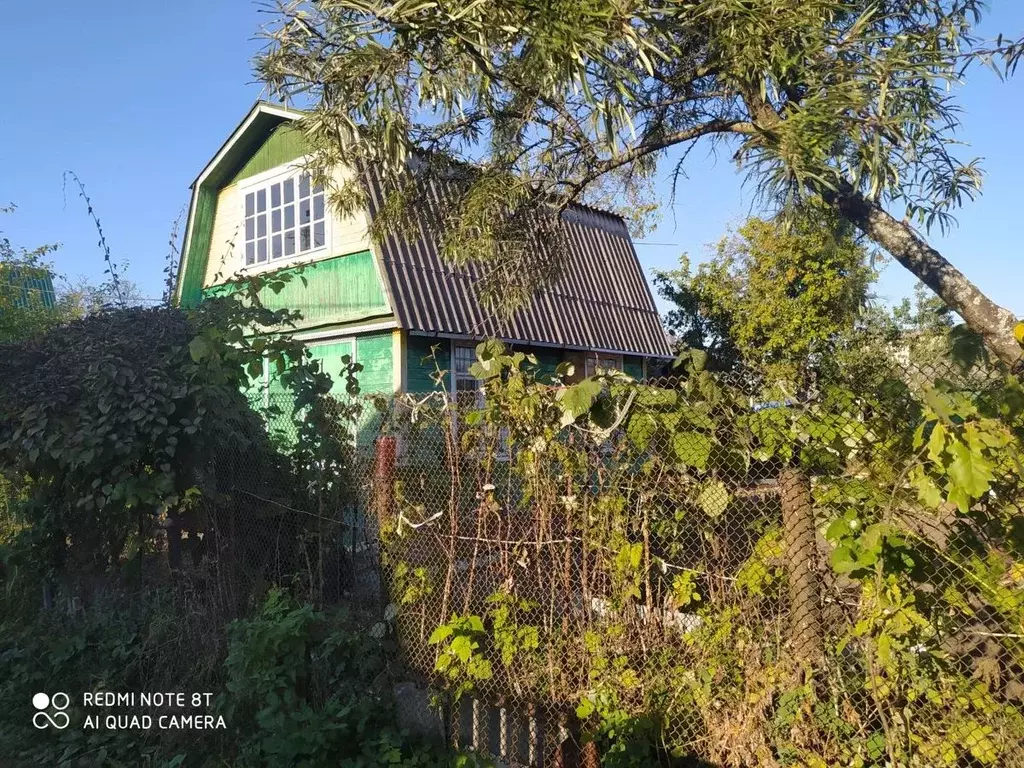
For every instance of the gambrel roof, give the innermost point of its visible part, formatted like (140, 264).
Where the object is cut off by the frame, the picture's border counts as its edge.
(600, 300)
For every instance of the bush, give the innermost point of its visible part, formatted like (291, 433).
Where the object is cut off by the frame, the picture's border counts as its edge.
(318, 691)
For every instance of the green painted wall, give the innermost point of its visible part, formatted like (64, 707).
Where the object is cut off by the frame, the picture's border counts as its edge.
(373, 352)
(198, 246)
(419, 370)
(343, 289)
(330, 356)
(548, 360)
(634, 366)
(282, 146)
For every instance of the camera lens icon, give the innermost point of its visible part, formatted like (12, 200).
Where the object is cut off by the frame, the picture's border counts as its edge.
(43, 719)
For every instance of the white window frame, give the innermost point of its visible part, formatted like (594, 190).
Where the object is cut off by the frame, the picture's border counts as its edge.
(455, 377)
(263, 182)
(601, 360)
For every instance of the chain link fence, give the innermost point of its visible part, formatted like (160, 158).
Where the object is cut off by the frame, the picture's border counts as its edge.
(701, 568)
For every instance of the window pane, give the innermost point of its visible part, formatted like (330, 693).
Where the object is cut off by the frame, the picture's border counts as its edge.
(318, 189)
(304, 239)
(275, 196)
(261, 225)
(261, 250)
(275, 221)
(289, 217)
(464, 358)
(250, 253)
(250, 228)
(304, 185)
(318, 235)
(289, 190)
(304, 212)
(289, 243)
(275, 247)
(250, 203)
(318, 207)
(261, 200)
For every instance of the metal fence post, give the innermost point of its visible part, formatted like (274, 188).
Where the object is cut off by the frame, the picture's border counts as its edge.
(801, 566)
(383, 502)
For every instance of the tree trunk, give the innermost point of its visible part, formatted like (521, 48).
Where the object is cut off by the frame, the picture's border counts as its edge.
(802, 566)
(982, 315)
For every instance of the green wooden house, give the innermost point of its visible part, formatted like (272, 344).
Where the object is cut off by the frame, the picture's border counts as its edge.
(253, 210)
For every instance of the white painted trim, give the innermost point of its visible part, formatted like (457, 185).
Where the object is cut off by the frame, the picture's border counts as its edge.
(399, 353)
(451, 367)
(389, 300)
(343, 333)
(265, 177)
(259, 108)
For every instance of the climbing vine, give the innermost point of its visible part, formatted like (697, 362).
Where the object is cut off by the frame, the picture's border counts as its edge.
(619, 555)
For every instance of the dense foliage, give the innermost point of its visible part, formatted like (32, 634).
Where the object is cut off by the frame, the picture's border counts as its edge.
(623, 551)
(130, 433)
(848, 100)
(775, 295)
(296, 686)
(116, 417)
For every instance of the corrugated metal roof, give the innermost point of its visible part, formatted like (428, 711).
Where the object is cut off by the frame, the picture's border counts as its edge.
(599, 299)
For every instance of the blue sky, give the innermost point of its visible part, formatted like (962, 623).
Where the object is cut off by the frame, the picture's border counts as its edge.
(136, 97)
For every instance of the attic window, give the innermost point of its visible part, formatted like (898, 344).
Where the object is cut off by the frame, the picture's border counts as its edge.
(284, 218)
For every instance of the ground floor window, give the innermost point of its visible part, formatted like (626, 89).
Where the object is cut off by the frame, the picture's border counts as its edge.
(467, 389)
(600, 362)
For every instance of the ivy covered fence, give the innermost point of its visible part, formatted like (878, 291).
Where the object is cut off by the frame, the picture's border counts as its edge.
(624, 573)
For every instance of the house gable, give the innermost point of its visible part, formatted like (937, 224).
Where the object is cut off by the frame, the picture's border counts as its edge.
(338, 281)
(284, 144)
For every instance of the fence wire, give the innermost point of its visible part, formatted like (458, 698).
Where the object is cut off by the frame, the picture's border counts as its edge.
(692, 568)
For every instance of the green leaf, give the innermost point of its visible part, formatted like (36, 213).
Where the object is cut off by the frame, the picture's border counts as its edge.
(927, 491)
(692, 448)
(937, 442)
(641, 428)
(586, 708)
(714, 499)
(462, 647)
(578, 399)
(697, 415)
(198, 348)
(441, 633)
(969, 472)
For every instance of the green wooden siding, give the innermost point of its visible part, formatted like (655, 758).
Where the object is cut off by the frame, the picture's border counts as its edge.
(330, 356)
(342, 289)
(634, 366)
(548, 360)
(284, 145)
(373, 352)
(420, 370)
(194, 268)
